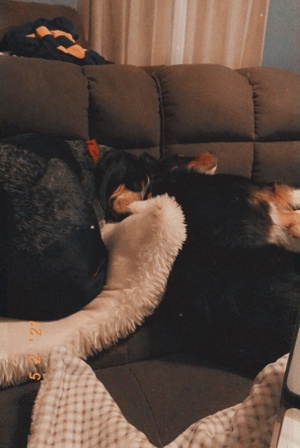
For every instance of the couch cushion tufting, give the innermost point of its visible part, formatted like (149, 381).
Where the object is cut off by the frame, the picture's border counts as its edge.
(205, 103)
(52, 98)
(276, 105)
(124, 107)
(277, 161)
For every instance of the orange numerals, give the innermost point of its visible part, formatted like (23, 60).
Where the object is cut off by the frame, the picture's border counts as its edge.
(33, 358)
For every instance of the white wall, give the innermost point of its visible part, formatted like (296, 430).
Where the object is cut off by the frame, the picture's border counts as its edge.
(282, 40)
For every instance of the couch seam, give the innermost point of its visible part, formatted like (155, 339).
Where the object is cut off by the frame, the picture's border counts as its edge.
(148, 404)
(247, 76)
(89, 90)
(255, 125)
(161, 117)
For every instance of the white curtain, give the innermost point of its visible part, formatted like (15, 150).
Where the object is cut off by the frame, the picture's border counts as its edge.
(154, 32)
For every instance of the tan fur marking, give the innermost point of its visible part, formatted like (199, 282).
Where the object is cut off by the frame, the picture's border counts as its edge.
(290, 220)
(203, 162)
(285, 221)
(280, 195)
(121, 198)
(263, 195)
(283, 196)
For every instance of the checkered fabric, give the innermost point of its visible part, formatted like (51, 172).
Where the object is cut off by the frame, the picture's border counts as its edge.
(246, 425)
(73, 409)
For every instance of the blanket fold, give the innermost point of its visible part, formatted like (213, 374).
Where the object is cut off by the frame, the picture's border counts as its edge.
(73, 409)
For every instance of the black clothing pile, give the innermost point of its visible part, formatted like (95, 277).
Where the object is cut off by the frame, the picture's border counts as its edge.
(50, 39)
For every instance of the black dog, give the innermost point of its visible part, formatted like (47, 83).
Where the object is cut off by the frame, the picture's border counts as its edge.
(232, 293)
(52, 258)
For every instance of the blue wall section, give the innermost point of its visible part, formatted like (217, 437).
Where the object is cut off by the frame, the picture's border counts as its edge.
(282, 41)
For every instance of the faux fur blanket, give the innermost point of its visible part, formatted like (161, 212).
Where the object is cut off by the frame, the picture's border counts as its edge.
(142, 249)
(72, 398)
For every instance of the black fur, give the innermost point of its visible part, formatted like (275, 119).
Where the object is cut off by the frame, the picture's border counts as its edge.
(231, 296)
(116, 168)
(53, 260)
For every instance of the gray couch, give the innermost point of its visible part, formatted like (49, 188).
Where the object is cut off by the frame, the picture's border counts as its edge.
(250, 118)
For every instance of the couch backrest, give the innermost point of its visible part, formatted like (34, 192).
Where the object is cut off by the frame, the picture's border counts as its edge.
(250, 118)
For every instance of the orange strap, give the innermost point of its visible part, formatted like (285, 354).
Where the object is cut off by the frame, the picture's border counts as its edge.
(74, 50)
(93, 149)
(43, 31)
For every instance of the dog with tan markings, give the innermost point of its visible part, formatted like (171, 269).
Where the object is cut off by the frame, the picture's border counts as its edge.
(234, 290)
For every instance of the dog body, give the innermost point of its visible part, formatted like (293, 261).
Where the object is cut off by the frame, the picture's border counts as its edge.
(231, 292)
(52, 258)
(230, 295)
(235, 210)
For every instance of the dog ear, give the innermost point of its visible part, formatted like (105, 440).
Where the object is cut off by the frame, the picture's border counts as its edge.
(147, 158)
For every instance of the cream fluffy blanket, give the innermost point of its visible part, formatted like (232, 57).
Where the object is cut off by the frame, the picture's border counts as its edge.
(142, 249)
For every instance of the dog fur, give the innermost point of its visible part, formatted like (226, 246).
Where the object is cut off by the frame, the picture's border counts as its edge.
(233, 293)
(52, 258)
(120, 180)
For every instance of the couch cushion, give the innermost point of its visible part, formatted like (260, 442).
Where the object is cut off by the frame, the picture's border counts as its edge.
(124, 107)
(154, 338)
(233, 157)
(205, 103)
(277, 161)
(52, 98)
(276, 95)
(163, 396)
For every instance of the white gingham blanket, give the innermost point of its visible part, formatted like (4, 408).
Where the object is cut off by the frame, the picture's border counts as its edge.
(73, 409)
